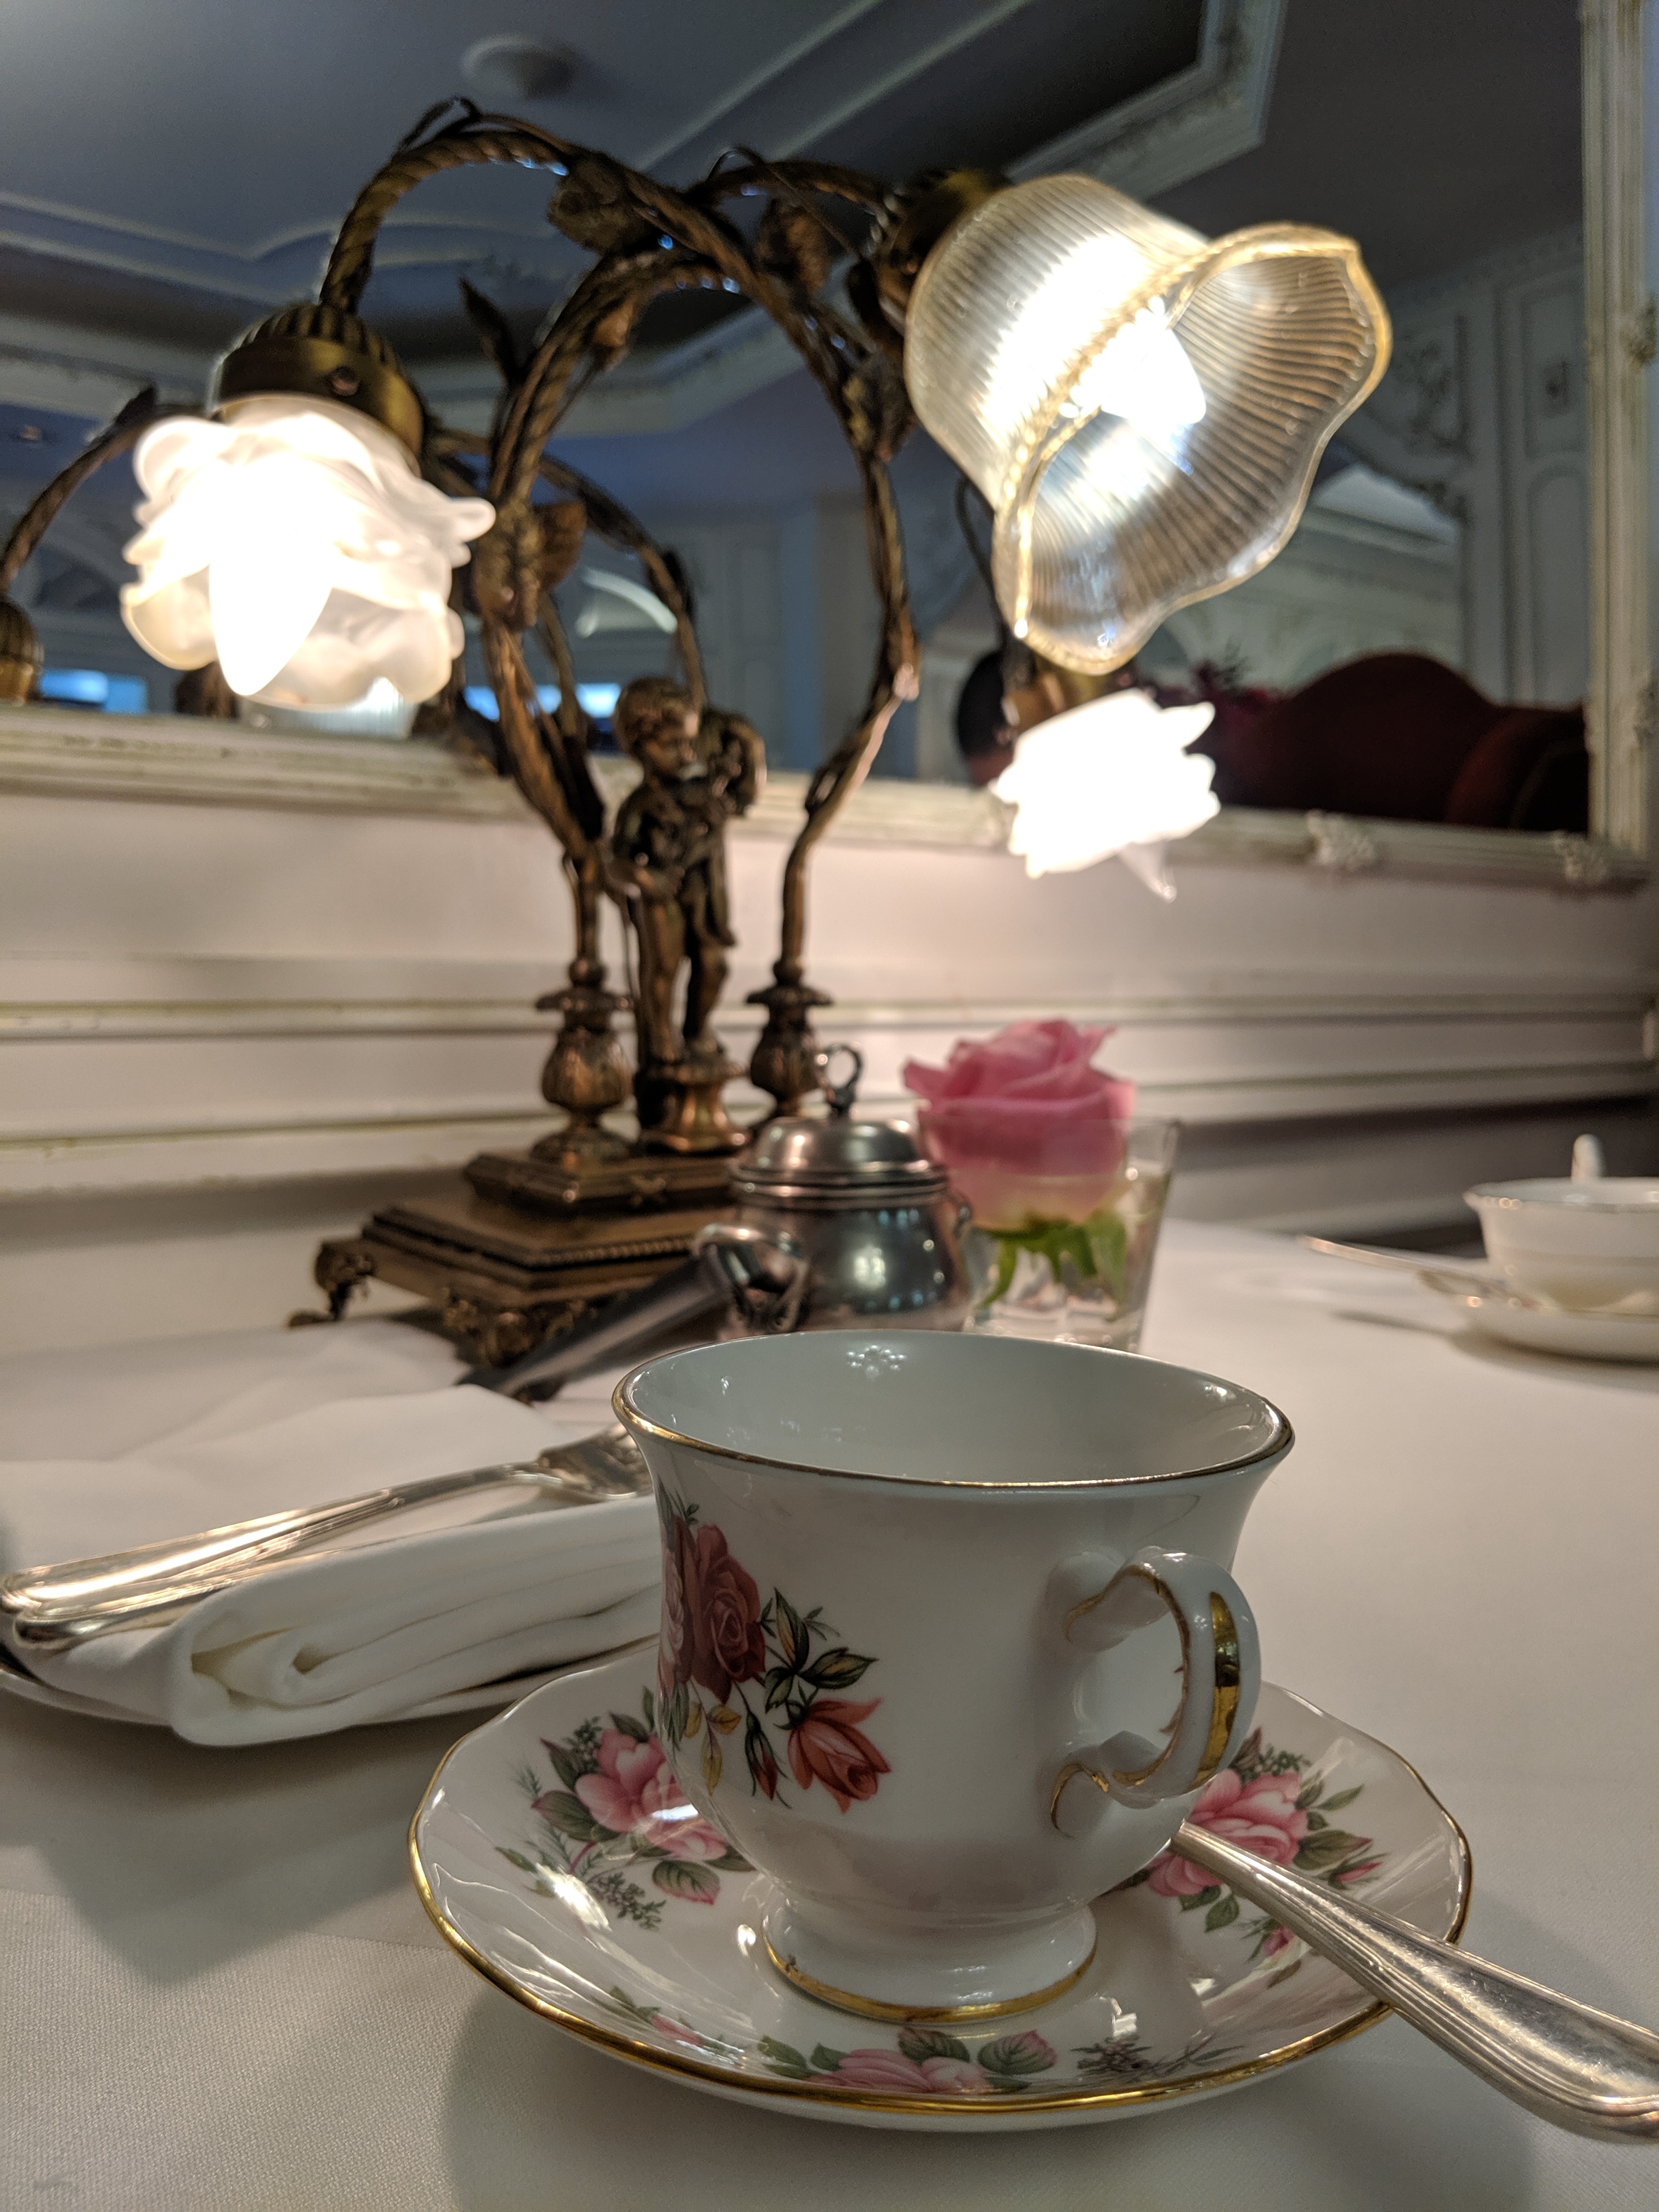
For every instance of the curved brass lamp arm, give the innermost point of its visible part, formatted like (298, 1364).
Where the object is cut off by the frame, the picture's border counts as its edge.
(649, 238)
(118, 437)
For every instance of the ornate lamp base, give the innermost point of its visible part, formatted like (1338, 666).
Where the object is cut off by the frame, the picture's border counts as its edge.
(504, 1278)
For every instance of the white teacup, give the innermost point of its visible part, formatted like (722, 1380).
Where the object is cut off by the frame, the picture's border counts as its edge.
(949, 1639)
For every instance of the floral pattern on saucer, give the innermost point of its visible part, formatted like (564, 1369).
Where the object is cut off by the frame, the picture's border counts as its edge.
(619, 1806)
(1263, 1804)
(717, 1637)
(1184, 1997)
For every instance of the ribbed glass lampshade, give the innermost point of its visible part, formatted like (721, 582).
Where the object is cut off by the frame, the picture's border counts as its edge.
(1143, 408)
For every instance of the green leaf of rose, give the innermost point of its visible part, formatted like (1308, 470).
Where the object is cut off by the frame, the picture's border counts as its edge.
(783, 2058)
(628, 1725)
(1204, 1897)
(1327, 1848)
(1016, 2054)
(1222, 1914)
(681, 1880)
(918, 2043)
(779, 1681)
(563, 1765)
(571, 1818)
(649, 1706)
(732, 1862)
(838, 1669)
(825, 2060)
(793, 1638)
(1335, 1804)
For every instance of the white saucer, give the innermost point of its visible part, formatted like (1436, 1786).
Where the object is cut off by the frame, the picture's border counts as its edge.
(18, 1683)
(642, 1939)
(1627, 1337)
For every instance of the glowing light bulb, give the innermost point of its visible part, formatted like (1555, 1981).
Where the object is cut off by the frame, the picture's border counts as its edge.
(1142, 373)
(295, 544)
(1110, 777)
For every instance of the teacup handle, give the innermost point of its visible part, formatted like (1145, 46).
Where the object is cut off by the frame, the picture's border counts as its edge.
(1220, 1669)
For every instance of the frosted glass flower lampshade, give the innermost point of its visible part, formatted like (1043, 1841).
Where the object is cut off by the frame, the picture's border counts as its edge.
(292, 539)
(1143, 408)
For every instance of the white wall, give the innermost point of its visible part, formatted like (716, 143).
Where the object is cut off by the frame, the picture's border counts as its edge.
(252, 987)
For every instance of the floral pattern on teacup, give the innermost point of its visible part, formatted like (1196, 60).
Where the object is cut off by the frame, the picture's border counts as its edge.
(722, 1654)
(1265, 1803)
(621, 1806)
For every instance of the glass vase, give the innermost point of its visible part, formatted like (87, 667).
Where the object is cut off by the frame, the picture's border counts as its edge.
(1069, 1256)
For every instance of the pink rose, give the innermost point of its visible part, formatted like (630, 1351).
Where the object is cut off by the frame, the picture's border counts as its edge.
(1260, 1816)
(890, 2072)
(634, 1792)
(1025, 1107)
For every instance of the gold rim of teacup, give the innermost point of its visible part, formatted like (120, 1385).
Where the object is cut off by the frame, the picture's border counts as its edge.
(629, 1414)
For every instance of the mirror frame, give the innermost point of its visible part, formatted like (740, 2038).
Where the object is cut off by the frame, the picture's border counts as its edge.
(1620, 343)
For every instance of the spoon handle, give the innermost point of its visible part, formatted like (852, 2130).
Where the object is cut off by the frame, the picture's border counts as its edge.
(1580, 2069)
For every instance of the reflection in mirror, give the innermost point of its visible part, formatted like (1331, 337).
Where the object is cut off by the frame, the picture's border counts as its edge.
(1419, 649)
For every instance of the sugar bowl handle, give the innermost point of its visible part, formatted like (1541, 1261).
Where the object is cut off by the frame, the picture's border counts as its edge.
(1220, 1668)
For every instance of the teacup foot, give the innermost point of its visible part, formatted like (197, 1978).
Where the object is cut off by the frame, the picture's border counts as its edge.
(888, 1974)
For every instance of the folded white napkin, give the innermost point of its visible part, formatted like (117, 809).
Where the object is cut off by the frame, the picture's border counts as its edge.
(464, 1593)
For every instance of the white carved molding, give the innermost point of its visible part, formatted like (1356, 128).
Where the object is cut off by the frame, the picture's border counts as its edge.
(198, 1071)
(863, 54)
(1191, 124)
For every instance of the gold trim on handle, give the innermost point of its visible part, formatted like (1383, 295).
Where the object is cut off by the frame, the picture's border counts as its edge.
(1226, 1689)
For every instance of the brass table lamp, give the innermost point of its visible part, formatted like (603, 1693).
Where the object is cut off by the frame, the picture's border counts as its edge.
(1143, 410)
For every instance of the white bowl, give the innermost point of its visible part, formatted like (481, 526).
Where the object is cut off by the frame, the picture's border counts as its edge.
(1592, 1247)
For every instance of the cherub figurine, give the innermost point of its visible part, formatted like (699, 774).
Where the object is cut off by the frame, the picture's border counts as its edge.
(668, 849)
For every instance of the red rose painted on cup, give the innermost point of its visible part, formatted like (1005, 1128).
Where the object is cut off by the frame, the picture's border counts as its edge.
(733, 1671)
(1028, 1127)
(824, 1745)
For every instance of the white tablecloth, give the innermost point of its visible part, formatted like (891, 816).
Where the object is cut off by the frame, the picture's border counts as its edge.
(220, 1992)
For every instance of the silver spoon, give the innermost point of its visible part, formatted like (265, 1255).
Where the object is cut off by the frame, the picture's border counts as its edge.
(1438, 1274)
(58, 1608)
(1581, 2069)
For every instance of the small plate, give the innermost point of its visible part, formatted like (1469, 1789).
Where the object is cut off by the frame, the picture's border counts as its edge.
(1628, 1337)
(553, 1850)
(16, 1679)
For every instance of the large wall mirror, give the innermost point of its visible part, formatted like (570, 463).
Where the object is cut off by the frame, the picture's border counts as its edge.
(1455, 636)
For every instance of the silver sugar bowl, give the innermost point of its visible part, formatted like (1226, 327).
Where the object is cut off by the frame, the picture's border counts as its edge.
(874, 1220)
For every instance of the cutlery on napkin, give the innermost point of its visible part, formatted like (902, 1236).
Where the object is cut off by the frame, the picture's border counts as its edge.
(488, 1585)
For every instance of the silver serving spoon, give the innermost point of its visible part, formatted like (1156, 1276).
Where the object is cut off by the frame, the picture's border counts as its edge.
(1438, 1274)
(58, 1608)
(1581, 2069)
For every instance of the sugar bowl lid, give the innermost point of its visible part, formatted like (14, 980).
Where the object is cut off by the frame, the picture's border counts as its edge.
(837, 1159)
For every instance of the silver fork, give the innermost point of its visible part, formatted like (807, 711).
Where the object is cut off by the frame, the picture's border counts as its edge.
(58, 1608)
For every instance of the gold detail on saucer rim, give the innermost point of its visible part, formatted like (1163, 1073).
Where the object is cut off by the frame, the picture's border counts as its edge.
(921, 2015)
(1281, 1443)
(1061, 2101)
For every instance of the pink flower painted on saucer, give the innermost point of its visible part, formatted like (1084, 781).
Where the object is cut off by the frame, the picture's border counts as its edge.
(1261, 1817)
(615, 1807)
(1267, 1803)
(634, 1792)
